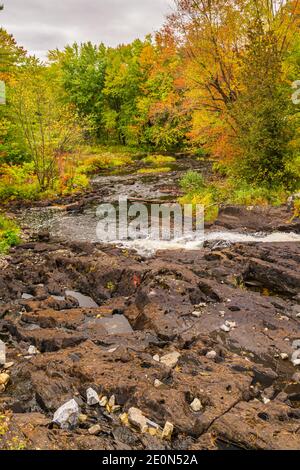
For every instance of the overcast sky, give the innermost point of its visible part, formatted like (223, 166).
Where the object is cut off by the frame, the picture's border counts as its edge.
(40, 25)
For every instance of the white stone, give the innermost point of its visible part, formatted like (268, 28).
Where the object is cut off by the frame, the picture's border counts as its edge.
(170, 360)
(196, 405)
(92, 397)
(157, 383)
(211, 355)
(196, 314)
(266, 400)
(230, 324)
(296, 344)
(156, 358)
(67, 415)
(32, 350)
(225, 328)
(137, 419)
(2, 353)
(103, 401)
(284, 356)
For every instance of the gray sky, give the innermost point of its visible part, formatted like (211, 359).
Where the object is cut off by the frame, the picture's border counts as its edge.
(40, 25)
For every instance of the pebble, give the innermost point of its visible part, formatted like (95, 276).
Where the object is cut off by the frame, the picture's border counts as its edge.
(197, 314)
(92, 397)
(225, 328)
(67, 415)
(196, 405)
(296, 344)
(115, 408)
(211, 355)
(157, 383)
(284, 356)
(103, 401)
(137, 419)
(156, 358)
(170, 360)
(82, 418)
(4, 379)
(8, 365)
(168, 431)
(32, 350)
(298, 315)
(112, 401)
(2, 353)
(94, 430)
(266, 400)
(230, 324)
(296, 358)
(296, 377)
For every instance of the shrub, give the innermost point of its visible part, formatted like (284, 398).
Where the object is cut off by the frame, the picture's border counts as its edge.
(192, 182)
(154, 170)
(158, 160)
(9, 234)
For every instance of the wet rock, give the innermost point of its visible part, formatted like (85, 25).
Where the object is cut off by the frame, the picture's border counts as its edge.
(92, 397)
(170, 360)
(67, 415)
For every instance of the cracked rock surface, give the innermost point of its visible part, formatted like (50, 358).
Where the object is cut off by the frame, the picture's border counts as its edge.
(243, 378)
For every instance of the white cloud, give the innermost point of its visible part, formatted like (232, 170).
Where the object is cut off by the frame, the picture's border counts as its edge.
(40, 25)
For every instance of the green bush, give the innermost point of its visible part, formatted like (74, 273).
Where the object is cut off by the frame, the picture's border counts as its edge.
(9, 234)
(192, 182)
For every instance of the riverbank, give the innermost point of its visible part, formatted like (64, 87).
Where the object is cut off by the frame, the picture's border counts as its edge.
(229, 312)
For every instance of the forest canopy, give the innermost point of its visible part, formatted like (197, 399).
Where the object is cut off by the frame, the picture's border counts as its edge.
(216, 81)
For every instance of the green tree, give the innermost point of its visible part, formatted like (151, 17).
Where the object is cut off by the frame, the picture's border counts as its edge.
(49, 126)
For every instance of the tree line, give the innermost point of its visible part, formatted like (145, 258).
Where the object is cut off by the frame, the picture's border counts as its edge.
(216, 80)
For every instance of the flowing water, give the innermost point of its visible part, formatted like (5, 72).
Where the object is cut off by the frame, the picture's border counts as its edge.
(163, 188)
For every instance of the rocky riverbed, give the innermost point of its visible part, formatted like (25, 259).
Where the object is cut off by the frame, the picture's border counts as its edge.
(111, 348)
(204, 340)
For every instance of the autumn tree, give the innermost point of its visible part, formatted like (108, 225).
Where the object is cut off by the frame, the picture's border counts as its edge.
(235, 52)
(49, 126)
